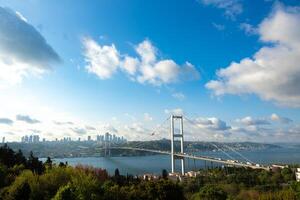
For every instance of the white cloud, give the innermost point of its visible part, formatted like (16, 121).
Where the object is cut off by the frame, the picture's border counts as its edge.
(249, 121)
(284, 120)
(249, 29)
(130, 65)
(274, 71)
(6, 121)
(101, 60)
(232, 8)
(27, 119)
(178, 95)
(79, 131)
(212, 123)
(214, 129)
(104, 61)
(147, 52)
(165, 71)
(137, 131)
(23, 50)
(175, 111)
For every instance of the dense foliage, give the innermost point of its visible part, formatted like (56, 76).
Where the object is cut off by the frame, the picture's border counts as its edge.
(28, 178)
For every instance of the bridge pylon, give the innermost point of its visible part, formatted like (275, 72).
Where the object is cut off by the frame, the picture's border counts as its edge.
(173, 136)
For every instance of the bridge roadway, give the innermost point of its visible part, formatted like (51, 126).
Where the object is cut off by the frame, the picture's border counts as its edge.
(217, 160)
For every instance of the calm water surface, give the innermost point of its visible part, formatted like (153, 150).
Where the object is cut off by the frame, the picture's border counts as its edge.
(156, 163)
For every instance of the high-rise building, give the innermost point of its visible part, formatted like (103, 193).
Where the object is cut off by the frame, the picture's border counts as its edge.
(89, 138)
(36, 138)
(107, 137)
(111, 138)
(30, 139)
(3, 140)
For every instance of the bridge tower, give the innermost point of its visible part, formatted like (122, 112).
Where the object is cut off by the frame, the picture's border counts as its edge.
(176, 118)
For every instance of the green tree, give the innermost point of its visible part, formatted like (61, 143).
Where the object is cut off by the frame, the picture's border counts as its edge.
(19, 190)
(65, 193)
(164, 174)
(48, 162)
(7, 156)
(20, 158)
(35, 165)
(288, 174)
(211, 192)
(3, 174)
(117, 172)
(169, 190)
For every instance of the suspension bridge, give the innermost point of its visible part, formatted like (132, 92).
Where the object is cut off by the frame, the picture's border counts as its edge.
(182, 155)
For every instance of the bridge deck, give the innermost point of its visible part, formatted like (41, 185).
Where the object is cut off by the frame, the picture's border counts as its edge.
(216, 160)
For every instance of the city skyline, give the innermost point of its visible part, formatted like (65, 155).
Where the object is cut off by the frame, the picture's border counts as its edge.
(125, 66)
(99, 138)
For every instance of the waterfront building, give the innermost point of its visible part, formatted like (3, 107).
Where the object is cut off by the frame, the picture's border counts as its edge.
(191, 174)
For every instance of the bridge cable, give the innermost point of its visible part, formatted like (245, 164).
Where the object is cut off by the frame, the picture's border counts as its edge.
(241, 155)
(223, 151)
(238, 153)
(195, 124)
(138, 143)
(160, 126)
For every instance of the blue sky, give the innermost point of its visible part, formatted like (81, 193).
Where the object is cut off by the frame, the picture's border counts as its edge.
(124, 66)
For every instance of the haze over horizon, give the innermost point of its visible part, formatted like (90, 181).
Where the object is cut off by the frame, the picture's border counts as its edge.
(73, 69)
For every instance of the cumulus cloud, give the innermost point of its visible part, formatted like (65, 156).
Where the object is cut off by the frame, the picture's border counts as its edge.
(101, 60)
(27, 119)
(231, 8)
(249, 121)
(23, 50)
(277, 118)
(130, 65)
(147, 52)
(273, 73)
(6, 121)
(104, 61)
(212, 123)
